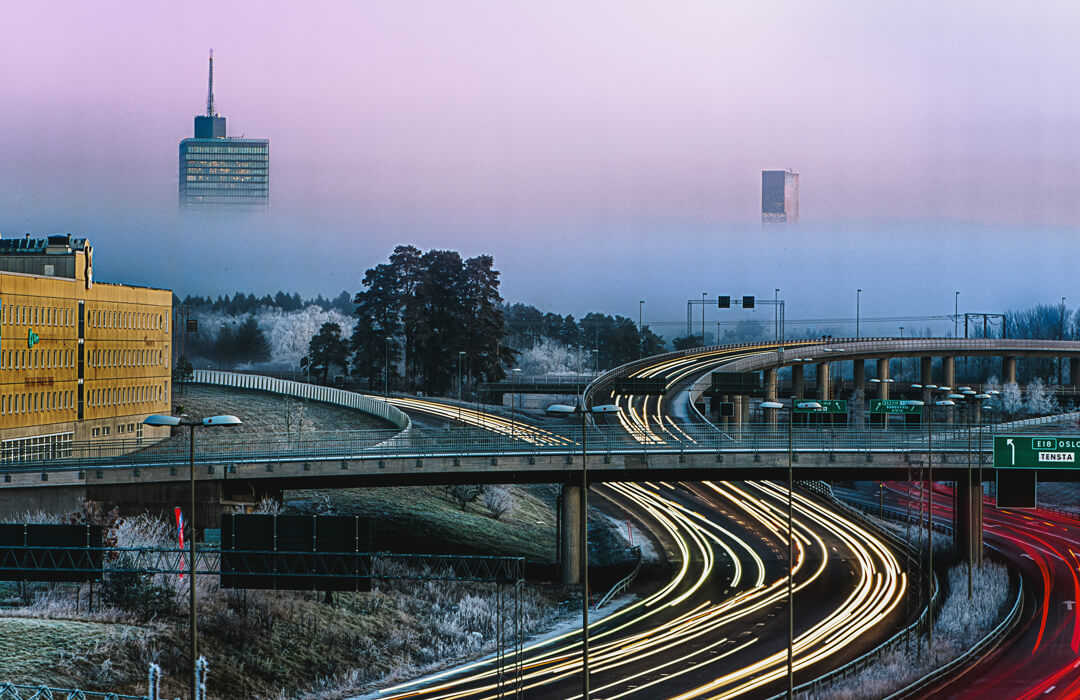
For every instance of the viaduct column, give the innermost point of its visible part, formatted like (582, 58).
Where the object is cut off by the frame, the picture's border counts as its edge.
(859, 391)
(948, 378)
(823, 380)
(883, 387)
(926, 376)
(770, 393)
(738, 401)
(1008, 370)
(1074, 372)
(571, 534)
(883, 374)
(797, 388)
(969, 519)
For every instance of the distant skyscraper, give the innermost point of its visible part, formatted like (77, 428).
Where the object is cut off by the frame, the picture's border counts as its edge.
(779, 197)
(219, 172)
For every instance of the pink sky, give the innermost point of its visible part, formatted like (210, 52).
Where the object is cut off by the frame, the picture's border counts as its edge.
(483, 124)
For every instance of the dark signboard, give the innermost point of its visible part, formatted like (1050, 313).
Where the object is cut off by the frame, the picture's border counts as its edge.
(748, 383)
(296, 552)
(39, 552)
(1016, 488)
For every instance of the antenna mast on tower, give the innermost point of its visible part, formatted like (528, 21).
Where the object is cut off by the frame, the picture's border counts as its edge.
(210, 89)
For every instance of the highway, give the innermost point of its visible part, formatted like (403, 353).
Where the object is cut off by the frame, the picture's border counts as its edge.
(719, 628)
(1042, 658)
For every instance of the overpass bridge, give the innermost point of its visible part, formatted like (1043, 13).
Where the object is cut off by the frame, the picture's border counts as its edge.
(242, 468)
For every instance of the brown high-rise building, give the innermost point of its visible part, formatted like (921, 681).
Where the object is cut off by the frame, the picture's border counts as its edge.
(779, 197)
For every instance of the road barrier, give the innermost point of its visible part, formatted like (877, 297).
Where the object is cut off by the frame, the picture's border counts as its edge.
(311, 392)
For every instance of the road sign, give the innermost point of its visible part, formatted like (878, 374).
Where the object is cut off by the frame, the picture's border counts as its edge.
(893, 406)
(1027, 452)
(826, 406)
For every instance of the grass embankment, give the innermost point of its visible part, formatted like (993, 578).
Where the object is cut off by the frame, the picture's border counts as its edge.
(287, 644)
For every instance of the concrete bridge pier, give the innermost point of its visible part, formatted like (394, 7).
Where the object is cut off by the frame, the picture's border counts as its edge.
(571, 534)
(926, 376)
(798, 387)
(770, 394)
(883, 386)
(969, 519)
(725, 398)
(948, 378)
(858, 392)
(1008, 370)
(823, 381)
(1074, 372)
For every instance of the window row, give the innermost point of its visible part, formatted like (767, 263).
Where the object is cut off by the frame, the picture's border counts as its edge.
(228, 149)
(122, 395)
(17, 315)
(37, 359)
(52, 446)
(134, 320)
(144, 357)
(121, 429)
(36, 402)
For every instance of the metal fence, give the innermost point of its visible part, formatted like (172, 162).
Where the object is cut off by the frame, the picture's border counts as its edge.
(226, 449)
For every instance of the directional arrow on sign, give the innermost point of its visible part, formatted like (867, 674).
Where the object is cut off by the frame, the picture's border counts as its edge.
(1069, 604)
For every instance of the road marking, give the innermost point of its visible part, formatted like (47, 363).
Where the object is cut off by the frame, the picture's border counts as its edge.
(1048, 690)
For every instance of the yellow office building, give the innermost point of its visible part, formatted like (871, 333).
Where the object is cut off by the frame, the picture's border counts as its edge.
(80, 362)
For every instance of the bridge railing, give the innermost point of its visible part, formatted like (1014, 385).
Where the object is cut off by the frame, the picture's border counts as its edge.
(221, 447)
(312, 392)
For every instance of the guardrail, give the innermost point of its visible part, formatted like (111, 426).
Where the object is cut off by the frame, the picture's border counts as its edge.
(623, 584)
(312, 392)
(950, 445)
(991, 640)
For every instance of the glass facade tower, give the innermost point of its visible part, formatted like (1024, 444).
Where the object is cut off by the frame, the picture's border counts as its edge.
(218, 172)
(224, 173)
(779, 197)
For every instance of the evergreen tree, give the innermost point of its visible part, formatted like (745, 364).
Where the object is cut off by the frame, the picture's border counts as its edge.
(328, 350)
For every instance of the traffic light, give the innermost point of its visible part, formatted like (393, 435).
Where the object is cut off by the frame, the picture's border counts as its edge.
(724, 302)
(748, 302)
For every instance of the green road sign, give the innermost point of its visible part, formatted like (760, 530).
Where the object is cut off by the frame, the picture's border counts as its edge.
(827, 406)
(1027, 452)
(893, 406)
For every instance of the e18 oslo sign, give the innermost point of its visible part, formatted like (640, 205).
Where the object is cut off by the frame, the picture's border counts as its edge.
(1039, 452)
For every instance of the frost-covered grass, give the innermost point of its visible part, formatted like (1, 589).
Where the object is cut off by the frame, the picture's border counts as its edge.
(960, 624)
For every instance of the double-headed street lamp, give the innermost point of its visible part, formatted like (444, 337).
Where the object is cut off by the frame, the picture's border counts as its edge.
(192, 424)
(808, 406)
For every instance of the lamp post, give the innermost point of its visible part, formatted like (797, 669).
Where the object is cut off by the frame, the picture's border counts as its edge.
(858, 304)
(460, 357)
(583, 543)
(515, 373)
(930, 516)
(192, 424)
(775, 405)
(776, 316)
(703, 294)
(386, 381)
(641, 329)
(956, 314)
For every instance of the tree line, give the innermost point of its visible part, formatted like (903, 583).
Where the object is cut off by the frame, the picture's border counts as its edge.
(241, 304)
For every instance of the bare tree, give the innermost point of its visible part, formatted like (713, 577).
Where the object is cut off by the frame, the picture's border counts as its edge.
(497, 500)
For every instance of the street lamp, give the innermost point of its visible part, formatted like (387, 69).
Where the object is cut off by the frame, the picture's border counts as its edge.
(930, 514)
(192, 424)
(583, 514)
(775, 405)
(460, 357)
(386, 382)
(858, 303)
(640, 329)
(703, 294)
(956, 314)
